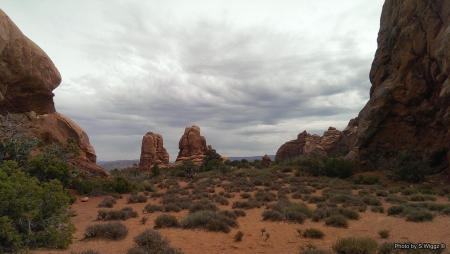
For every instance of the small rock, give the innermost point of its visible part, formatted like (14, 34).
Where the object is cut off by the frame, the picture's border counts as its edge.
(85, 199)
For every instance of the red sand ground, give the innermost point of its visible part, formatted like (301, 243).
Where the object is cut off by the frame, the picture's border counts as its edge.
(283, 236)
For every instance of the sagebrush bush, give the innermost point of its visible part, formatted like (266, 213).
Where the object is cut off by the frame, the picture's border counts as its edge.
(166, 220)
(123, 214)
(209, 220)
(272, 215)
(418, 215)
(203, 204)
(295, 216)
(396, 210)
(313, 233)
(136, 199)
(112, 230)
(336, 221)
(382, 193)
(300, 207)
(317, 199)
(367, 179)
(394, 199)
(315, 251)
(384, 233)
(418, 197)
(355, 245)
(152, 242)
(250, 204)
(377, 209)
(172, 207)
(239, 212)
(371, 201)
(107, 202)
(89, 251)
(151, 208)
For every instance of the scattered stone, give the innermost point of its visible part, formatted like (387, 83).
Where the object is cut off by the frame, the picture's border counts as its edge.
(85, 199)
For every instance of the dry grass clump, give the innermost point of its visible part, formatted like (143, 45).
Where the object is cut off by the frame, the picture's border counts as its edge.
(112, 230)
(238, 236)
(384, 233)
(152, 242)
(123, 214)
(107, 202)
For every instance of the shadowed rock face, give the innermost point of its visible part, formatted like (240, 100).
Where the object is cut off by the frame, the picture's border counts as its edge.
(27, 79)
(192, 146)
(27, 75)
(153, 152)
(410, 93)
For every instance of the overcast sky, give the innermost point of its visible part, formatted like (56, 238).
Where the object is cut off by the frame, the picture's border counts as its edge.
(251, 74)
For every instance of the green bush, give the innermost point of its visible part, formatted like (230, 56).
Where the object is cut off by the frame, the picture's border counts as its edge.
(419, 215)
(355, 245)
(152, 242)
(407, 166)
(112, 230)
(121, 185)
(367, 179)
(32, 214)
(313, 233)
(166, 220)
(396, 210)
(294, 216)
(336, 221)
(337, 167)
(301, 207)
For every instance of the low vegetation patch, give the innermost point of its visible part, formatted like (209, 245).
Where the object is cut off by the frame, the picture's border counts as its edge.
(209, 220)
(123, 214)
(136, 199)
(112, 230)
(151, 241)
(313, 233)
(355, 245)
(338, 221)
(384, 233)
(166, 220)
(151, 208)
(107, 202)
(238, 236)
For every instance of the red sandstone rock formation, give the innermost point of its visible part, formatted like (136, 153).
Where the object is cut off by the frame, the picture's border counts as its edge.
(192, 146)
(153, 152)
(333, 142)
(266, 160)
(27, 79)
(410, 95)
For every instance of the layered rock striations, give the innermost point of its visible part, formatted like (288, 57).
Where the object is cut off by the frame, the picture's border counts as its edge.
(153, 152)
(192, 146)
(27, 79)
(410, 95)
(333, 142)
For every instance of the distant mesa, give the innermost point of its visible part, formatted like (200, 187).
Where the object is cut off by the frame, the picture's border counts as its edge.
(27, 80)
(153, 152)
(192, 146)
(333, 142)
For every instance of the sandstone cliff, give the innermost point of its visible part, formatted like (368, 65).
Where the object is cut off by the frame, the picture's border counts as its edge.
(153, 152)
(410, 93)
(27, 79)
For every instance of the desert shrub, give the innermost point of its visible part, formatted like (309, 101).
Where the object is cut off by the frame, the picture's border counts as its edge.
(111, 230)
(317, 199)
(32, 213)
(445, 211)
(349, 213)
(272, 215)
(121, 185)
(394, 199)
(250, 204)
(150, 208)
(382, 193)
(396, 210)
(313, 233)
(337, 167)
(204, 204)
(383, 233)
(123, 214)
(371, 201)
(408, 167)
(136, 199)
(166, 220)
(336, 221)
(245, 195)
(238, 236)
(152, 242)
(107, 202)
(210, 220)
(435, 206)
(295, 216)
(89, 251)
(418, 197)
(315, 251)
(296, 195)
(377, 209)
(355, 245)
(301, 207)
(367, 179)
(265, 196)
(418, 215)
(171, 207)
(239, 213)
(363, 192)
(228, 213)
(408, 191)
(221, 200)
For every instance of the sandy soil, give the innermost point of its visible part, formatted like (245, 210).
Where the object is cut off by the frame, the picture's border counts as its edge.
(283, 236)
